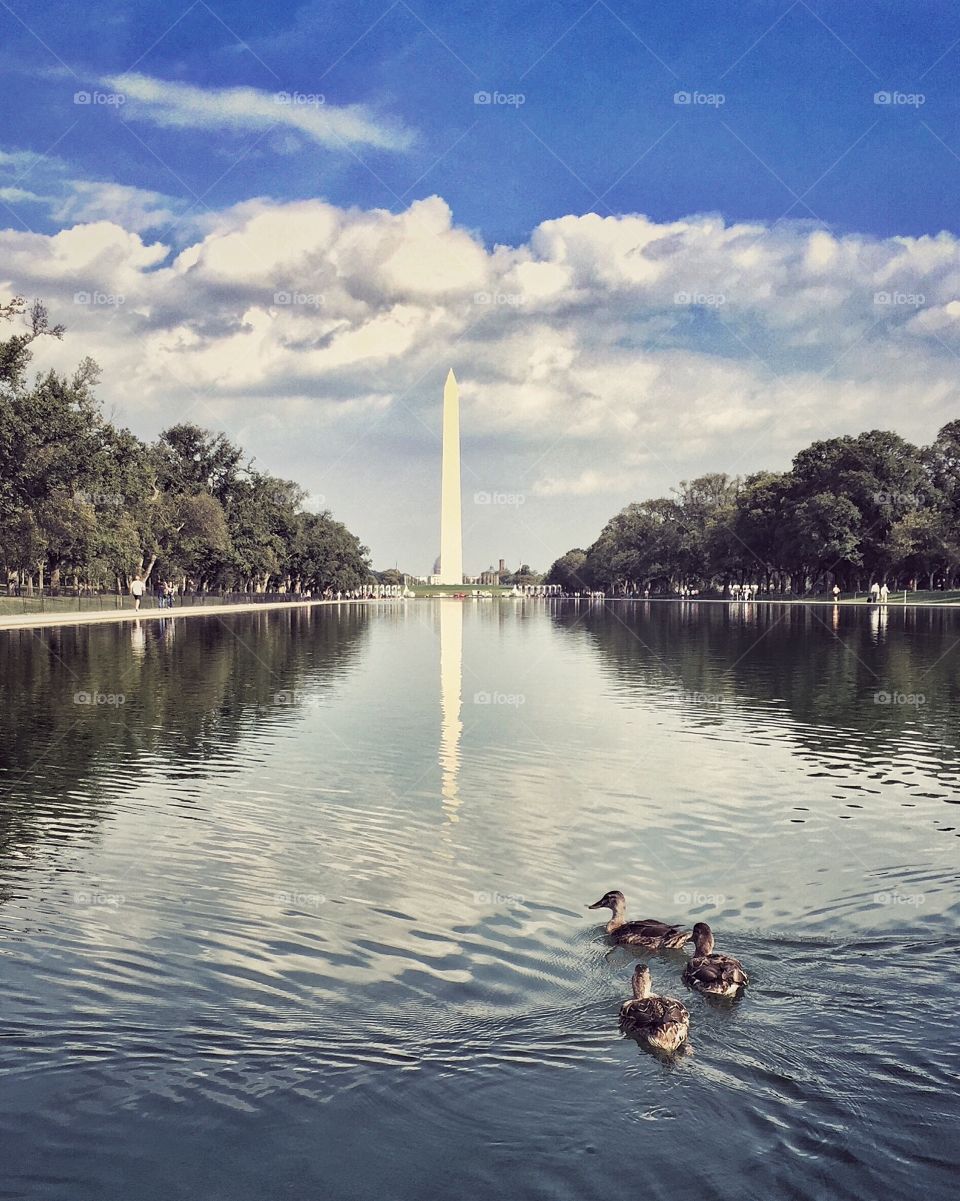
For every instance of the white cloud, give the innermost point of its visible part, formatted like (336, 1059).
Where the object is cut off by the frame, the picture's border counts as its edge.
(69, 201)
(587, 483)
(603, 360)
(941, 319)
(16, 195)
(19, 160)
(133, 208)
(185, 106)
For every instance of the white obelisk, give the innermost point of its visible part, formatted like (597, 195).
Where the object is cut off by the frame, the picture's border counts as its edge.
(451, 529)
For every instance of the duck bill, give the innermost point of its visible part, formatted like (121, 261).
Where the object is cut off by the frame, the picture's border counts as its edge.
(596, 905)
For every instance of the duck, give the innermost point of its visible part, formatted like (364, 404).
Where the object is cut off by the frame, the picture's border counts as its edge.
(648, 933)
(712, 973)
(661, 1022)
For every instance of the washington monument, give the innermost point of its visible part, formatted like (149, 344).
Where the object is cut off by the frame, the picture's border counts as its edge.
(451, 528)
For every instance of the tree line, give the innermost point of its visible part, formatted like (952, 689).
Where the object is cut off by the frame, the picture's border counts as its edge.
(850, 511)
(84, 503)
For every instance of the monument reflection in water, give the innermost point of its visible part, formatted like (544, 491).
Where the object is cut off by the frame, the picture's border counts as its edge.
(451, 688)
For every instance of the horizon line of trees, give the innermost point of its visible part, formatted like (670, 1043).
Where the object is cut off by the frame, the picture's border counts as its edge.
(850, 511)
(86, 504)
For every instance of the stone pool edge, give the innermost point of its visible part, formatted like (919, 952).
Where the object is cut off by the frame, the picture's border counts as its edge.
(35, 620)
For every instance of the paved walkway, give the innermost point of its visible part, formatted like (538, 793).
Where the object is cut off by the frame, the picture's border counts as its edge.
(19, 621)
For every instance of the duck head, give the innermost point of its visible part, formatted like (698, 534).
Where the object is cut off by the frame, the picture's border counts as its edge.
(641, 981)
(702, 938)
(616, 903)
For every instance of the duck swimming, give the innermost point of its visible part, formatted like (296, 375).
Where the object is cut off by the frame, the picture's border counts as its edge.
(658, 1021)
(714, 974)
(648, 933)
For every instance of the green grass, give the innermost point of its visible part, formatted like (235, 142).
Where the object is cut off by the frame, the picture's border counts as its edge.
(922, 597)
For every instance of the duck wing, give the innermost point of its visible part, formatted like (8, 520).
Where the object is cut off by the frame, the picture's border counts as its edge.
(652, 1012)
(716, 970)
(674, 1010)
(641, 1015)
(649, 929)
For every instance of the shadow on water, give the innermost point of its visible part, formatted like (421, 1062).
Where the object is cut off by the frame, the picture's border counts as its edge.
(85, 711)
(824, 666)
(855, 685)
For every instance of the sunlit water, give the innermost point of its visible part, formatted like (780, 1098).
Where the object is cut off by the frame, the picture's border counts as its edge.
(299, 913)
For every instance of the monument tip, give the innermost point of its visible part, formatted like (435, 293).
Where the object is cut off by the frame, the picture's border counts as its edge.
(451, 377)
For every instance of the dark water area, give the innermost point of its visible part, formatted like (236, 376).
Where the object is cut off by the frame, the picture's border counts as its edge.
(292, 903)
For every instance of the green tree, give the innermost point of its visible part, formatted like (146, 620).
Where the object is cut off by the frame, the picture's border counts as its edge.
(324, 554)
(569, 571)
(85, 500)
(642, 545)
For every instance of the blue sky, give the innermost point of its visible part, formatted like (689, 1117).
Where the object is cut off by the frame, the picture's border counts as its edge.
(598, 82)
(783, 132)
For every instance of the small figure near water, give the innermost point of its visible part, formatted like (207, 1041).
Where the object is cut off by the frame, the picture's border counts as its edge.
(137, 589)
(712, 973)
(661, 1022)
(650, 934)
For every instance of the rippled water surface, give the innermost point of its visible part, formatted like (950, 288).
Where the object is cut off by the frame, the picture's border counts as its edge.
(297, 909)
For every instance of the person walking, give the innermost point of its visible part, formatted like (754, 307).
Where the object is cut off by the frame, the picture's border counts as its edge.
(884, 593)
(836, 593)
(875, 592)
(136, 591)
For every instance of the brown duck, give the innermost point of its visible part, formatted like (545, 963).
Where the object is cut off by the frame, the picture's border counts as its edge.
(661, 1022)
(647, 933)
(710, 972)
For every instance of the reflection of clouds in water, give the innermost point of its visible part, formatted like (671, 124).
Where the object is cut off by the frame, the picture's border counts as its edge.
(451, 687)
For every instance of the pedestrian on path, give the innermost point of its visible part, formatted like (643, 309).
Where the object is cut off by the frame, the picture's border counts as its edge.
(136, 590)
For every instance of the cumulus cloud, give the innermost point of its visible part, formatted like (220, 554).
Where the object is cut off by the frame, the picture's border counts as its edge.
(185, 106)
(601, 361)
